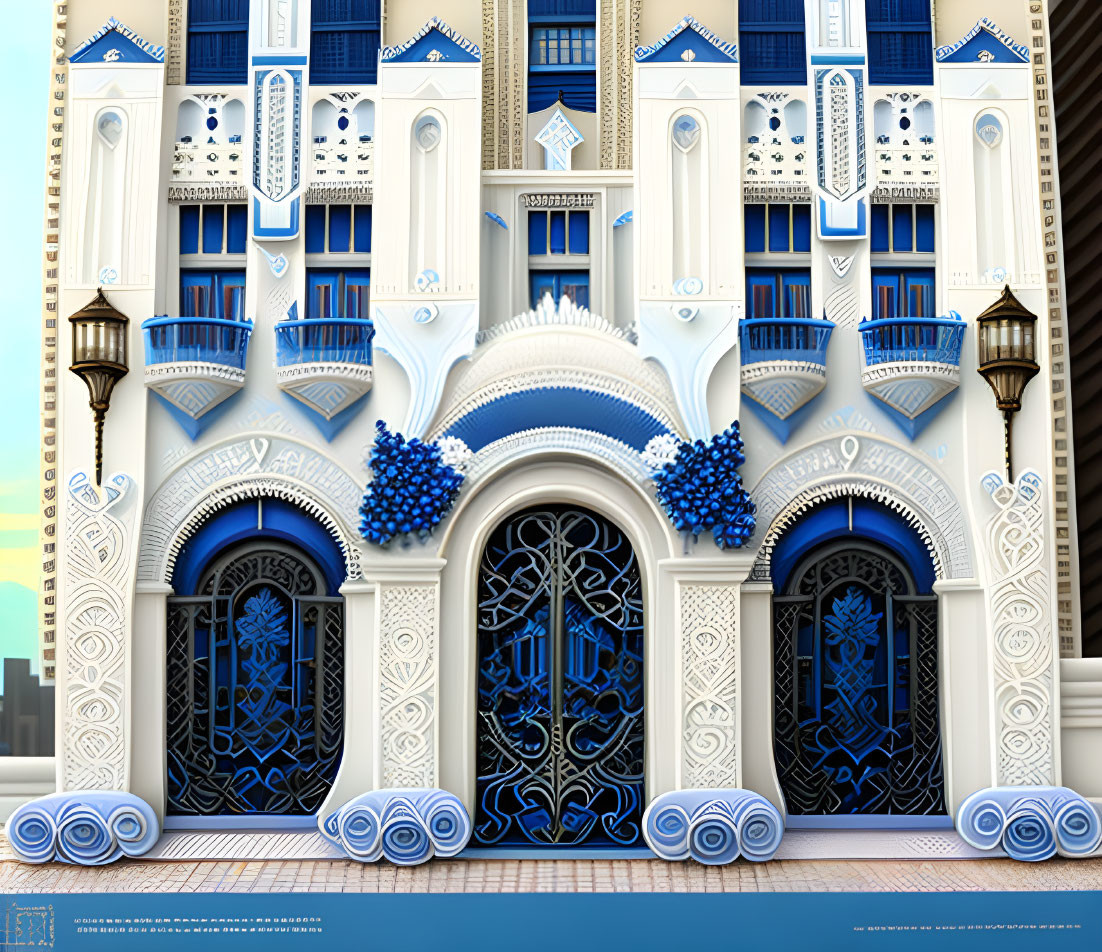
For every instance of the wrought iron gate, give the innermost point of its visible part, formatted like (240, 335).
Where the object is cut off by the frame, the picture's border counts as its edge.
(255, 671)
(560, 683)
(856, 727)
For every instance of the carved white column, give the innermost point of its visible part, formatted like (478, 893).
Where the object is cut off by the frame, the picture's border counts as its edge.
(757, 764)
(148, 697)
(357, 772)
(408, 671)
(706, 620)
(100, 553)
(1023, 636)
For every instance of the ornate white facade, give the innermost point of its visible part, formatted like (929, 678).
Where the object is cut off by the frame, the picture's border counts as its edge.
(724, 248)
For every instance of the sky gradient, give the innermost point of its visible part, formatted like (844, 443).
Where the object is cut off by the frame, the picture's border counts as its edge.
(25, 72)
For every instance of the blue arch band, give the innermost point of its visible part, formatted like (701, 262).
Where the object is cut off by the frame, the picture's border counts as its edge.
(830, 522)
(557, 407)
(258, 520)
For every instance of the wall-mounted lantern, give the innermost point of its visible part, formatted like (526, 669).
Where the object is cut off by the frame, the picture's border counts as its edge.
(1006, 352)
(99, 359)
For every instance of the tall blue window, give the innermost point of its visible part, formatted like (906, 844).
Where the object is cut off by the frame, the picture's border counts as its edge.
(344, 41)
(902, 292)
(771, 42)
(777, 227)
(901, 43)
(903, 229)
(562, 54)
(217, 41)
(558, 255)
(212, 229)
(338, 229)
(219, 294)
(338, 293)
(773, 293)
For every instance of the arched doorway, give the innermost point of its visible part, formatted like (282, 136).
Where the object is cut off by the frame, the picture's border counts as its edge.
(560, 740)
(255, 665)
(856, 727)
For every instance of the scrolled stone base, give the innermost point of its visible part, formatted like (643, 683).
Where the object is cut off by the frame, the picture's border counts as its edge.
(1031, 823)
(713, 827)
(405, 825)
(84, 828)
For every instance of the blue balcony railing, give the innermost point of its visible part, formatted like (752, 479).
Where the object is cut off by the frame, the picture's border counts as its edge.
(324, 340)
(912, 339)
(784, 338)
(170, 340)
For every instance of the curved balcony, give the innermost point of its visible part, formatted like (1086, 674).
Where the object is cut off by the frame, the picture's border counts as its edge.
(195, 362)
(783, 364)
(912, 364)
(325, 362)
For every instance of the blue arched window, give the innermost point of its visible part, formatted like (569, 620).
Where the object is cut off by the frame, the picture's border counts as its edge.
(771, 42)
(901, 47)
(562, 54)
(344, 41)
(217, 41)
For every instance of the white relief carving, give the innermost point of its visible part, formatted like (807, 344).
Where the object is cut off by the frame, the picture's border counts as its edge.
(879, 470)
(1025, 650)
(407, 684)
(709, 640)
(558, 439)
(504, 70)
(619, 36)
(245, 469)
(97, 600)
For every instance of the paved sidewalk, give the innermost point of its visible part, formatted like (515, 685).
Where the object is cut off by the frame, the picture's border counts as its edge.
(497, 876)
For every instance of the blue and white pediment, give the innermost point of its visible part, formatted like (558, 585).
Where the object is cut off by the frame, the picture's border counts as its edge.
(115, 42)
(690, 41)
(435, 42)
(984, 43)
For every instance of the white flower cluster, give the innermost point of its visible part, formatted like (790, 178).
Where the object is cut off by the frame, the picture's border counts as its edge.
(659, 451)
(454, 453)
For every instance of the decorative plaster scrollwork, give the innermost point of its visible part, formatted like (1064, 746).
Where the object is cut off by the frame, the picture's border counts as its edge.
(504, 28)
(100, 523)
(247, 469)
(1025, 649)
(407, 684)
(886, 472)
(174, 60)
(709, 640)
(619, 36)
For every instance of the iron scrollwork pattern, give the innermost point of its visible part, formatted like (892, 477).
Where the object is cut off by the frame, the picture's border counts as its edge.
(856, 726)
(255, 669)
(560, 683)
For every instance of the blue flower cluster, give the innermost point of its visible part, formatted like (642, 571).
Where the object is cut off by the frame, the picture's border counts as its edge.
(412, 490)
(701, 489)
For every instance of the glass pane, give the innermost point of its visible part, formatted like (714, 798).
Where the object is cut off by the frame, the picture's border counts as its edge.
(902, 240)
(885, 300)
(761, 300)
(537, 233)
(195, 298)
(576, 287)
(357, 296)
(558, 233)
(779, 240)
(340, 228)
(798, 299)
(189, 229)
(543, 282)
(27, 712)
(579, 233)
(755, 228)
(213, 228)
(315, 229)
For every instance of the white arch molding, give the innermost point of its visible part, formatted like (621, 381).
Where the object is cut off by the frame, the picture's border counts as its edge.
(860, 464)
(270, 465)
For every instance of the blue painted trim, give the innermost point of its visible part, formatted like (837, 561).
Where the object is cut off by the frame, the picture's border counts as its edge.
(869, 821)
(191, 426)
(625, 219)
(496, 219)
(725, 51)
(280, 520)
(155, 54)
(950, 54)
(781, 429)
(859, 232)
(830, 521)
(280, 60)
(329, 429)
(230, 823)
(835, 60)
(543, 407)
(913, 428)
(395, 54)
(551, 852)
(291, 231)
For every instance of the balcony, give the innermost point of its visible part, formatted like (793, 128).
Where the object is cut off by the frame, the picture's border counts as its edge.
(325, 362)
(195, 362)
(911, 364)
(783, 366)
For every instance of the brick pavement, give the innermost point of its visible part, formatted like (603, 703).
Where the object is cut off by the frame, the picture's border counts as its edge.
(503, 876)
